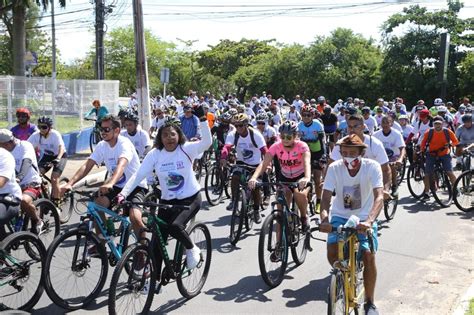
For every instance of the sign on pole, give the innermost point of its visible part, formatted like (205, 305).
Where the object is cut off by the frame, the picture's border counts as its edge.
(165, 75)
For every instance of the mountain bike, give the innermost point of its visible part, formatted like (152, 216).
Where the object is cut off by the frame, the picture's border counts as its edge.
(132, 290)
(440, 185)
(281, 230)
(463, 191)
(415, 175)
(21, 263)
(216, 183)
(94, 137)
(78, 258)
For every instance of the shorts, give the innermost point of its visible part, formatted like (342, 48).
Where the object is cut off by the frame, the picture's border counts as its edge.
(430, 163)
(45, 164)
(363, 240)
(238, 172)
(33, 191)
(282, 178)
(137, 195)
(315, 158)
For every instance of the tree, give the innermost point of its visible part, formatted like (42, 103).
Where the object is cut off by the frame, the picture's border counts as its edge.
(466, 76)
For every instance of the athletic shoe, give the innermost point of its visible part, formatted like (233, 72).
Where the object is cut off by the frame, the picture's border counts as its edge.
(193, 257)
(370, 309)
(38, 228)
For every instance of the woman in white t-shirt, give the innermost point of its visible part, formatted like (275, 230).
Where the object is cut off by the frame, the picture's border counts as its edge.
(172, 160)
(9, 188)
(358, 185)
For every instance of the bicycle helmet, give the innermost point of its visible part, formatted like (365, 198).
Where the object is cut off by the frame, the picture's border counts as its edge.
(132, 117)
(307, 108)
(122, 113)
(312, 101)
(327, 110)
(232, 112)
(351, 110)
(442, 109)
(225, 117)
(462, 108)
(241, 118)
(270, 116)
(438, 101)
(466, 118)
(45, 120)
(288, 127)
(321, 99)
(262, 117)
(365, 110)
(23, 110)
(172, 121)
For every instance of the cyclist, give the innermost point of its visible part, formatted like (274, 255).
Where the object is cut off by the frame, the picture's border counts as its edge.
(134, 132)
(358, 184)
(293, 156)
(10, 191)
(24, 129)
(311, 131)
(172, 159)
(394, 146)
(158, 121)
(321, 104)
(448, 119)
(329, 120)
(26, 170)
(369, 120)
(378, 116)
(250, 147)
(457, 116)
(269, 133)
(189, 123)
(121, 161)
(465, 135)
(98, 110)
(436, 143)
(52, 153)
(293, 114)
(407, 133)
(298, 103)
(420, 126)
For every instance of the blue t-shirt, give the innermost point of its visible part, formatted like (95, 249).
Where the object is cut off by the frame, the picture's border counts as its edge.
(310, 134)
(343, 128)
(189, 126)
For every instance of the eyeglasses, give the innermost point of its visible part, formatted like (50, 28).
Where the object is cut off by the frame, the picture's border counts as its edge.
(307, 115)
(44, 127)
(286, 137)
(260, 123)
(105, 129)
(239, 125)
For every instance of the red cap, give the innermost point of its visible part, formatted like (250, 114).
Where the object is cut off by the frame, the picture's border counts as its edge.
(424, 113)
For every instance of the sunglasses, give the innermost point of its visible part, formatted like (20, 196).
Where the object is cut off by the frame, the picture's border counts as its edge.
(22, 116)
(44, 127)
(286, 137)
(105, 129)
(307, 115)
(239, 125)
(260, 123)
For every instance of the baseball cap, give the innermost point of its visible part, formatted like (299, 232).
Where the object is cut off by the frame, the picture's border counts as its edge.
(352, 141)
(438, 118)
(424, 113)
(5, 135)
(403, 117)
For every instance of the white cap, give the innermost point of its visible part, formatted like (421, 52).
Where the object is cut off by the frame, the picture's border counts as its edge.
(6, 136)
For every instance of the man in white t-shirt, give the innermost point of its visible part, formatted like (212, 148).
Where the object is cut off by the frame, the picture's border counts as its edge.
(10, 192)
(121, 160)
(298, 103)
(157, 122)
(134, 132)
(293, 114)
(358, 185)
(369, 120)
(27, 174)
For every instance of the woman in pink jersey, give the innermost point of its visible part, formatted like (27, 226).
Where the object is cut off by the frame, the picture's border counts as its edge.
(293, 156)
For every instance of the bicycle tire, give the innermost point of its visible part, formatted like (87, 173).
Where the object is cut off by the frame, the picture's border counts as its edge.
(249, 212)
(401, 172)
(237, 218)
(50, 216)
(74, 303)
(415, 182)
(135, 282)
(463, 186)
(444, 183)
(214, 186)
(389, 208)
(272, 278)
(227, 190)
(336, 294)
(94, 138)
(34, 250)
(67, 203)
(298, 242)
(200, 272)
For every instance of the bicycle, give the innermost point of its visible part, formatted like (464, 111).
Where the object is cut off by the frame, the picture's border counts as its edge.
(462, 191)
(94, 137)
(72, 254)
(216, 183)
(138, 287)
(390, 205)
(21, 263)
(440, 185)
(346, 288)
(281, 230)
(416, 174)
(243, 210)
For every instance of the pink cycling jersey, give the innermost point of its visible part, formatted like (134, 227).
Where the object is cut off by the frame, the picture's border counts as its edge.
(291, 161)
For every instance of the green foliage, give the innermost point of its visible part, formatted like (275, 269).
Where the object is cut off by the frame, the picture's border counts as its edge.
(466, 76)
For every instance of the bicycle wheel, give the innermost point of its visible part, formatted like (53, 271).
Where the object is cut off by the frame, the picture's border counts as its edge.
(441, 188)
(133, 292)
(49, 215)
(93, 139)
(249, 212)
(298, 241)
(76, 268)
(226, 179)
(401, 172)
(190, 282)
(312, 201)
(213, 185)
(272, 251)
(238, 217)
(463, 190)
(336, 294)
(67, 203)
(415, 182)
(21, 265)
(389, 208)
(198, 166)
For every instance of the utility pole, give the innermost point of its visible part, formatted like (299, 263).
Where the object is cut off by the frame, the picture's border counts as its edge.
(53, 60)
(99, 39)
(143, 97)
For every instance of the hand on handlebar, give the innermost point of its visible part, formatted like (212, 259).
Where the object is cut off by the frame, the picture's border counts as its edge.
(105, 189)
(325, 227)
(364, 226)
(64, 188)
(302, 183)
(119, 199)
(252, 183)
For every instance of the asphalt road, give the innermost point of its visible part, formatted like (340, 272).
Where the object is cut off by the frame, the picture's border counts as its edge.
(425, 262)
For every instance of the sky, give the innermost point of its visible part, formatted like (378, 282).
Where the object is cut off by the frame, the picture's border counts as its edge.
(205, 22)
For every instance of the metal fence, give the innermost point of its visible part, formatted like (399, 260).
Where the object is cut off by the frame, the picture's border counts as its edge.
(67, 104)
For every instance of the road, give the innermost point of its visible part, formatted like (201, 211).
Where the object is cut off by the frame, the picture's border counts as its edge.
(425, 262)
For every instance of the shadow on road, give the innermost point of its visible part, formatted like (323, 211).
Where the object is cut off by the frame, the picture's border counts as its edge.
(222, 221)
(315, 290)
(247, 289)
(169, 306)
(462, 215)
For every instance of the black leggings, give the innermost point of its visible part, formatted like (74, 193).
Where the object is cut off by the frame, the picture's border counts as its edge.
(6, 214)
(177, 219)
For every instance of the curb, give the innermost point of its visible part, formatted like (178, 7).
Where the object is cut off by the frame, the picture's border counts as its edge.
(463, 305)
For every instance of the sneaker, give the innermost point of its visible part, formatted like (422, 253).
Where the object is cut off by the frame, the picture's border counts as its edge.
(257, 216)
(38, 228)
(458, 167)
(425, 196)
(304, 224)
(230, 206)
(370, 309)
(275, 256)
(193, 257)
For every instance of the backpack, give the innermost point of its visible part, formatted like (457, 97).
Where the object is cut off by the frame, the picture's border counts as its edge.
(430, 123)
(251, 131)
(430, 136)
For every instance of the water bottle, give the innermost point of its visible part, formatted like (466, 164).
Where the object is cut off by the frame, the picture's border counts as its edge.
(109, 224)
(352, 222)
(19, 224)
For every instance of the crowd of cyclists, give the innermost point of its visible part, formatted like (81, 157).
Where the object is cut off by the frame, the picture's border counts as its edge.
(349, 154)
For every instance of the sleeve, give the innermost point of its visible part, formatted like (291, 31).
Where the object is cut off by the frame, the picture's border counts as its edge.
(376, 176)
(59, 139)
(458, 133)
(230, 138)
(453, 138)
(380, 153)
(400, 143)
(6, 167)
(197, 147)
(304, 147)
(33, 139)
(424, 140)
(259, 139)
(145, 169)
(335, 154)
(273, 149)
(330, 179)
(97, 155)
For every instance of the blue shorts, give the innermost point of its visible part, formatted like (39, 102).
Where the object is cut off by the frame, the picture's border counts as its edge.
(445, 161)
(363, 240)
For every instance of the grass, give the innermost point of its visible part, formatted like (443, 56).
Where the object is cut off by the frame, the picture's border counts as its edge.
(470, 311)
(64, 124)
